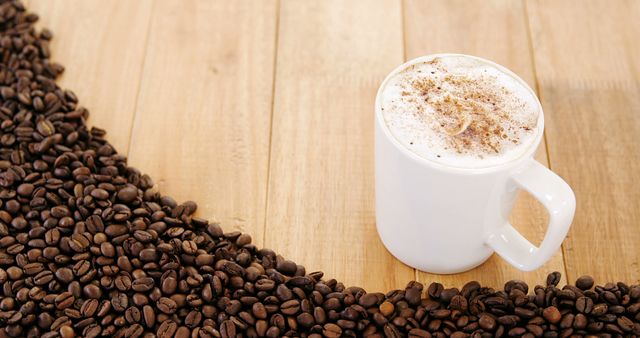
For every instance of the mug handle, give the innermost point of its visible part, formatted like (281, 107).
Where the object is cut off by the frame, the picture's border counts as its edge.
(556, 195)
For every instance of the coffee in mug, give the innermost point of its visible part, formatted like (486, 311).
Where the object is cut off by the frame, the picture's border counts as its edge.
(455, 139)
(460, 112)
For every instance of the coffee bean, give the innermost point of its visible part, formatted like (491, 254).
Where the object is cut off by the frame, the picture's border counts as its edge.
(167, 329)
(567, 321)
(127, 194)
(553, 278)
(259, 311)
(290, 307)
(204, 259)
(610, 297)
(368, 300)
(584, 305)
(287, 267)
(508, 320)
(552, 314)
(387, 308)
(123, 282)
(487, 322)
(599, 310)
(434, 290)
(25, 189)
(305, 320)
(41, 278)
(166, 305)
(132, 315)
(100, 194)
(580, 321)
(419, 333)
(331, 330)
(169, 285)
(92, 291)
(143, 284)
(227, 329)
(148, 255)
(66, 332)
(149, 316)
(413, 295)
(584, 282)
(64, 300)
(34, 268)
(232, 268)
(458, 302)
(524, 313)
(625, 324)
(189, 247)
(89, 307)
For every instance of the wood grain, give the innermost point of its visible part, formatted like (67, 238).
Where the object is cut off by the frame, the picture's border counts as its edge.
(102, 43)
(495, 30)
(203, 116)
(586, 57)
(332, 55)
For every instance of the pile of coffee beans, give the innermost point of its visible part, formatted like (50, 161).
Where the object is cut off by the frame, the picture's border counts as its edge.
(88, 247)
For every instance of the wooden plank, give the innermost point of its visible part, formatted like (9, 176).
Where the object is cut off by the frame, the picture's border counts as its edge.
(495, 30)
(203, 115)
(102, 43)
(332, 55)
(586, 57)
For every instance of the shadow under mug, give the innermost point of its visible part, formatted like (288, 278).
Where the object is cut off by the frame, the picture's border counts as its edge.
(443, 219)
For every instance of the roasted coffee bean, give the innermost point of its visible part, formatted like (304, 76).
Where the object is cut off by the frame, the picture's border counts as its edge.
(123, 282)
(166, 329)
(89, 308)
(434, 290)
(599, 310)
(92, 291)
(552, 314)
(290, 307)
(584, 305)
(584, 282)
(149, 316)
(167, 305)
(143, 284)
(368, 300)
(227, 329)
(64, 300)
(487, 322)
(128, 193)
(331, 330)
(553, 278)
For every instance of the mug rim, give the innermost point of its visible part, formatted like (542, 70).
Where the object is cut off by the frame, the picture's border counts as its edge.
(528, 154)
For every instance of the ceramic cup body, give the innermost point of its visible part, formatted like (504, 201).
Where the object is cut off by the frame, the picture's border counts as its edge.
(444, 219)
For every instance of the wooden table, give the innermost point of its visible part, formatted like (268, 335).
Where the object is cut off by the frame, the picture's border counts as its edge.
(262, 112)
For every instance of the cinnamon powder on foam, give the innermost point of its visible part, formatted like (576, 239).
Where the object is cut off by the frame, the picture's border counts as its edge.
(473, 114)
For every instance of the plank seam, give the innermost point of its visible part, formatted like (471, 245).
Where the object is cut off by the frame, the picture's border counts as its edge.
(404, 29)
(140, 76)
(403, 22)
(273, 99)
(525, 9)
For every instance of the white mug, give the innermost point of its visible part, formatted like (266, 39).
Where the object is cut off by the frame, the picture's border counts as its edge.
(445, 219)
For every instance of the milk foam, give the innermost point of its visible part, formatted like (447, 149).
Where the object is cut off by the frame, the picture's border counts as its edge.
(460, 112)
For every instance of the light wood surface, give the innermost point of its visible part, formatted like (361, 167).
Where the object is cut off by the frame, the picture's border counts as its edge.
(262, 112)
(588, 72)
(321, 193)
(202, 120)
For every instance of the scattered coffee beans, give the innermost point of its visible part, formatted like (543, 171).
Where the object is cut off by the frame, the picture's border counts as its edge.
(88, 247)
